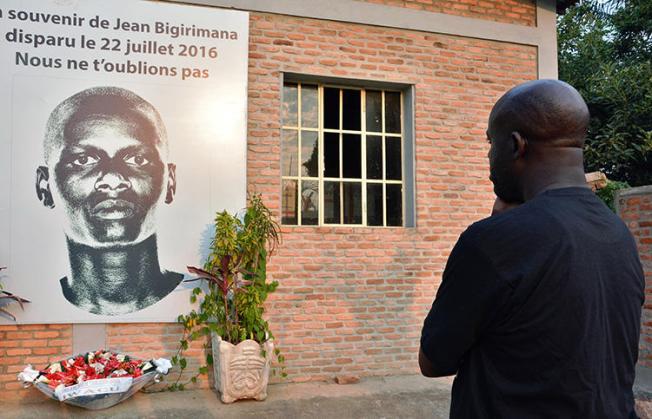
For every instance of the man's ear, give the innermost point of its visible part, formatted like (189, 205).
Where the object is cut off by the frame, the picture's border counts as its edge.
(43, 187)
(519, 145)
(172, 183)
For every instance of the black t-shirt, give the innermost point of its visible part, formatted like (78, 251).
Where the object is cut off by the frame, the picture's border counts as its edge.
(539, 312)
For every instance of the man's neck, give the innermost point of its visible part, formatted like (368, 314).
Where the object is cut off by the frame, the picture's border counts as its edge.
(561, 169)
(124, 275)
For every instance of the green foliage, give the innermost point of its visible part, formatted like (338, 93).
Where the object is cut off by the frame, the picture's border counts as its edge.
(632, 21)
(6, 298)
(605, 52)
(608, 193)
(232, 303)
(238, 259)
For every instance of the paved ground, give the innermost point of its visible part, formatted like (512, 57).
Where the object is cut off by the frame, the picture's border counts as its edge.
(377, 397)
(643, 385)
(374, 397)
(643, 392)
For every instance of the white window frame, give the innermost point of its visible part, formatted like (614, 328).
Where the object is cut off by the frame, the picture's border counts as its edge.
(407, 165)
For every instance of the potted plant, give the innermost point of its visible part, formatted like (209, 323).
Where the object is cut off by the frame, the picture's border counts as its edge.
(232, 301)
(7, 298)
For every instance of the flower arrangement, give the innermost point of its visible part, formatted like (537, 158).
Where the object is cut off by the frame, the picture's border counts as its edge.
(95, 380)
(93, 366)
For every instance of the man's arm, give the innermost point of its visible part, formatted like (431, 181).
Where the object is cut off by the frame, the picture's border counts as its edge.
(469, 296)
(428, 369)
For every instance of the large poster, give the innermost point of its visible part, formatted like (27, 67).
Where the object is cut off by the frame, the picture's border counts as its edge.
(122, 131)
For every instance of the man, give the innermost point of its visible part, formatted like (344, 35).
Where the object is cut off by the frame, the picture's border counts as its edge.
(539, 308)
(105, 151)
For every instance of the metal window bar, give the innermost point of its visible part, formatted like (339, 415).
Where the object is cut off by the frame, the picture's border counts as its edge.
(363, 181)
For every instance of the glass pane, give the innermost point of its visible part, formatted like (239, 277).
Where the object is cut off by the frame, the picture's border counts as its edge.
(332, 202)
(308, 106)
(351, 110)
(289, 114)
(393, 112)
(374, 157)
(331, 108)
(289, 210)
(309, 202)
(374, 204)
(309, 154)
(393, 158)
(331, 154)
(374, 111)
(351, 156)
(394, 205)
(289, 153)
(352, 203)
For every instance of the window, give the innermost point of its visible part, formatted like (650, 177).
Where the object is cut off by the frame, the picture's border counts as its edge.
(342, 155)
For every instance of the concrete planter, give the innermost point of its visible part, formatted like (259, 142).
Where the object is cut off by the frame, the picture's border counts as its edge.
(240, 370)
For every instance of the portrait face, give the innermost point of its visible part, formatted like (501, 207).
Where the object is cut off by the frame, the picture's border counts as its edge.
(109, 178)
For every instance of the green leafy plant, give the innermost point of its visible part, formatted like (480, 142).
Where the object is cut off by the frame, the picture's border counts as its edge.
(608, 193)
(235, 287)
(8, 298)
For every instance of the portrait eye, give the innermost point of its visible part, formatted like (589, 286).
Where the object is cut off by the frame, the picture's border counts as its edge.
(84, 160)
(137, 160)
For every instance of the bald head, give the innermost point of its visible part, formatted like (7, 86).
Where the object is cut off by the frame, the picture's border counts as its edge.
(96, 106)
(549, 112)
(106, 155)
(537, 132)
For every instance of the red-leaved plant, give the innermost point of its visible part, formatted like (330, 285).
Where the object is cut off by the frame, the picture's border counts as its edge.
(7, 298)
(232, 303)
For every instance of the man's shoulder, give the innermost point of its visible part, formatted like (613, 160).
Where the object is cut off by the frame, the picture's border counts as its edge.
(569, 217)
(520, 230)
(514, 222)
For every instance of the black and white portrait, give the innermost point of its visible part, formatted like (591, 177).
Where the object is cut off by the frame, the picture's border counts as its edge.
(106, 165)
(110, 173)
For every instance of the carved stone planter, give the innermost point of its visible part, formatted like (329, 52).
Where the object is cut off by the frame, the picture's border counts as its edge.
(240, 370)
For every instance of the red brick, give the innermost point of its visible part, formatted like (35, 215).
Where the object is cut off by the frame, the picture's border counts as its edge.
(41, 361)
(7, 327)
(18, 351)
(59, 342)
(66, 327)
(18, 335)
(14, 386)
(48, 351)
(48, 334)
(34, 343)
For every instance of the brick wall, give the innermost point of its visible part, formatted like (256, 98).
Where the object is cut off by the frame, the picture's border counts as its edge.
(635, 208)
(519, 12)
(351, 300)
(155, 340)
(36, 344)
